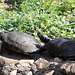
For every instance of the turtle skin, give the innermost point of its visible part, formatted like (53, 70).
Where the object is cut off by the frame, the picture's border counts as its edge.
(61, 47)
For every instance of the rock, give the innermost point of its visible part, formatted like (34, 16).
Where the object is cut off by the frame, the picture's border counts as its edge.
(6, 61)
(68, 68)
(42, 63)
(14, 72)
(26, 61)
(73, 68)
(12, 63)
(18, 68)
(29, 73)
(2, 62)
(40, 66)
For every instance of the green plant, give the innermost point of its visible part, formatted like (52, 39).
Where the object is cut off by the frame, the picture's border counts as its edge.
(50, 17)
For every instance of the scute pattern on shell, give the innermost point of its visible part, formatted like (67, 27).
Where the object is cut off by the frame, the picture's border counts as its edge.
(61, 47)
(20, 42)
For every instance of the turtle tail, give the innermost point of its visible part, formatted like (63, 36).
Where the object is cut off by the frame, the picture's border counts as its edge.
(43, 37)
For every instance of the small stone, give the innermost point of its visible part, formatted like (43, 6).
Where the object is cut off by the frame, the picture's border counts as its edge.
(68, 67)
(42, 63)
(14, 72)
(63, 66)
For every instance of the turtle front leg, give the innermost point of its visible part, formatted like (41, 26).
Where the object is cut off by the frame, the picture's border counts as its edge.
(35, 56)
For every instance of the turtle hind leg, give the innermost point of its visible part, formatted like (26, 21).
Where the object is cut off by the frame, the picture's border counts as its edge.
(43, 37)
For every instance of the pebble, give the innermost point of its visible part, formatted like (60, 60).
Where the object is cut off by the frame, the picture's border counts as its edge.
(42, 63)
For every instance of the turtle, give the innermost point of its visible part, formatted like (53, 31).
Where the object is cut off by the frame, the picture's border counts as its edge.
(61, 47)
(21, 42)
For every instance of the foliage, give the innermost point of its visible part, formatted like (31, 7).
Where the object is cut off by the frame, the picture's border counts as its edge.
(51, 17)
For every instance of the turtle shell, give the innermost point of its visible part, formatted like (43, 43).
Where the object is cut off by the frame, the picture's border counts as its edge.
(61, 47)
(20, 42)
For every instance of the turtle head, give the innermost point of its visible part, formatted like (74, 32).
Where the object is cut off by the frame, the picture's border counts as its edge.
(44, 38)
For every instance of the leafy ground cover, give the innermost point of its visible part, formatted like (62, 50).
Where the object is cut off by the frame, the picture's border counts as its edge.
(55, 18)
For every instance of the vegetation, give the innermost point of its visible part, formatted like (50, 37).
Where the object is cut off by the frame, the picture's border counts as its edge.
(54, 18)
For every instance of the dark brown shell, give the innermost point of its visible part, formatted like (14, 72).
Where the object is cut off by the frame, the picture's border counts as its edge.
(61, 47)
